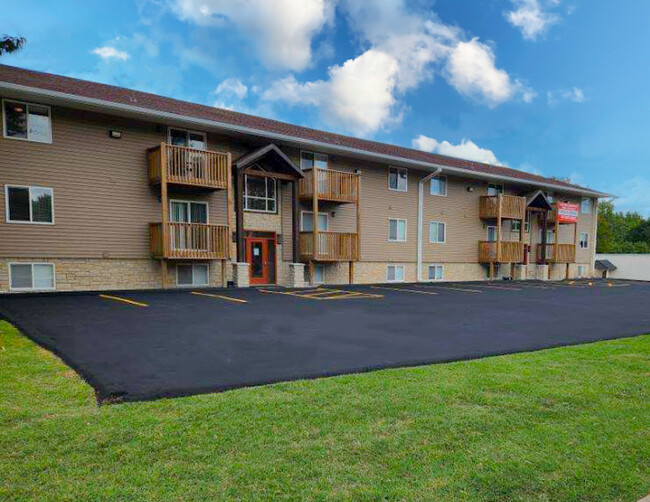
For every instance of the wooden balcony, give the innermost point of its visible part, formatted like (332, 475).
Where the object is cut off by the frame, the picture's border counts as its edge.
(190, 241)
(188, 166)
(333, 186)
(332, 246)
(512, 208)
(558, 253)
(507, 252)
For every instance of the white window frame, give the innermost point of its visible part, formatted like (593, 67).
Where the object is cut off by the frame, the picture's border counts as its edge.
(487, 233)
(512, 225)
(406, 182)
(327, 219)
(189, 203)
(444, 232)
(187, 132)
(436, 265)
(591, 204)
(315, 154)
(487, 188)
(396, 266)
(580, 241)
(193, 285)
(11, 264)
(582, 271)
(31, 216)
(275, 191)
(405, 230)
(431, 186)
(27, 105)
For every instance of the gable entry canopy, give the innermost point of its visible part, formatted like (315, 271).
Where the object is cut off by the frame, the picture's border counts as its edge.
(267, 162)
(538, 201)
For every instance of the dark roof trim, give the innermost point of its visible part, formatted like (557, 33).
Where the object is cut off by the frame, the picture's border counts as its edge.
(270, 149)
(534, 196)
(111, 99)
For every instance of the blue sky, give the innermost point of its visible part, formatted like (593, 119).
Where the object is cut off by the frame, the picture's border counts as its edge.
(554, 87)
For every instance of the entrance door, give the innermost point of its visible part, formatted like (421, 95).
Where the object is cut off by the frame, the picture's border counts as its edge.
(257, 255)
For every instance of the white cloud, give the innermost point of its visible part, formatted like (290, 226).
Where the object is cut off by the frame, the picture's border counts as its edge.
(404, 49)
(467, 149)
(575, 95)
(106, 52)
(230, 89)
(532, 17)
(281, 30)
(471, 70)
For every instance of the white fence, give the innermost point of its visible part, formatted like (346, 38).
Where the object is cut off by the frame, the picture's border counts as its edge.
(628, 266)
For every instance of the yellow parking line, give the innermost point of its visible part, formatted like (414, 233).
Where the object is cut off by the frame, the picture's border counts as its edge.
(452, 288)
(405, 290)
(349, 295)
(321, 292)
(123, 300)
(222, 297)
(507, 288)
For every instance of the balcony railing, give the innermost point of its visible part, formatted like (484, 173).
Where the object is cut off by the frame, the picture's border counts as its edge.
(331, 246)
(192, 241)
(512, 207)
(507, 252)
(558, 253)
(334, 186)
(188, 166)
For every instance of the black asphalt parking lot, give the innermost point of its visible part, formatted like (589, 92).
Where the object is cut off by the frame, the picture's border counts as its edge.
(172, 343)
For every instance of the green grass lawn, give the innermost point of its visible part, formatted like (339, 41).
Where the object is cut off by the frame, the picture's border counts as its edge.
(561, 424)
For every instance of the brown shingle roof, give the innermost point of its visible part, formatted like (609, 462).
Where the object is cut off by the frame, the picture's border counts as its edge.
(120, 95)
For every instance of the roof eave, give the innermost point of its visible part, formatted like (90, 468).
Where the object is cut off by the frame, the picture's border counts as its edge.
(73, 99)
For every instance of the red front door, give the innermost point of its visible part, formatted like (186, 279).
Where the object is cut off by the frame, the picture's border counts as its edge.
(257, 255)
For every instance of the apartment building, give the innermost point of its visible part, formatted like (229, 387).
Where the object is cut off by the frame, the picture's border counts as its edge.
(108, 188)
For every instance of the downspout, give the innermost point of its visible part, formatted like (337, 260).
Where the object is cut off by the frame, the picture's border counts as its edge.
(421, 184)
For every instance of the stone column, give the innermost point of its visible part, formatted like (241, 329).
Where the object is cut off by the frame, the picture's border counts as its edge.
(297, 275)
(521, 272)
(241, 274)
(541, 273)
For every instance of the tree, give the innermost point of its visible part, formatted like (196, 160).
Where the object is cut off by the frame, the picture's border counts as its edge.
(10, 44)
(621, 232)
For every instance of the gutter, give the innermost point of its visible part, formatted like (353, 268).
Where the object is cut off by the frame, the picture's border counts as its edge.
(421, 183)
(224, 126)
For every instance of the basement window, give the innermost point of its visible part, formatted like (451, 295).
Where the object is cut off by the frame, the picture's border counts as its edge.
(31, 277)
(192, 275)
(395, 273)
(436, 272)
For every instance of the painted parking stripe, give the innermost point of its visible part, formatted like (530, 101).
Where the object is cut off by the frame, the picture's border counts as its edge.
(348, 295)
(490, 286)
(405, 290)
(221, 297)
(452, 288)
(123, 300)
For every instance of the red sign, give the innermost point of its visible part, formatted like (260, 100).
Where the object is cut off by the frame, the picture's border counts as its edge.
(567, 213)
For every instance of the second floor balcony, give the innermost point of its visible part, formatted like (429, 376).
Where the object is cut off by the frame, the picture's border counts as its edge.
(558, 253)
(189, 241)
(330, 246)
(501, 252)
(188, 166)
(504, 206)
(332, 186)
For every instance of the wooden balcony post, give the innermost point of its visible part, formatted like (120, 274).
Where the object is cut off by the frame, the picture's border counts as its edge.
(358, 253)
(499, 213)
(295, 222)
(164, 206)
(314, 173)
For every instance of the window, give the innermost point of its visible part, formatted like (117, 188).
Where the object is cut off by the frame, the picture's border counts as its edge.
(437, 232)
(436, 272)
(185, 211)
(527, 227)
(192, 275)
(190, 139)
(396, 230)
(582, 271)
(260, 194)
(584, 240)
(551, 197)
(491, 234)
(585, 205)
(493, 189)
(497, 271)
(438, 186)
(319, 274)
(307, 221)
(29, 204)
(397, 179)
(309, 160)
(27, 121)
(31, 276)
(395, 273)
(550, 236)
(515, 226)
